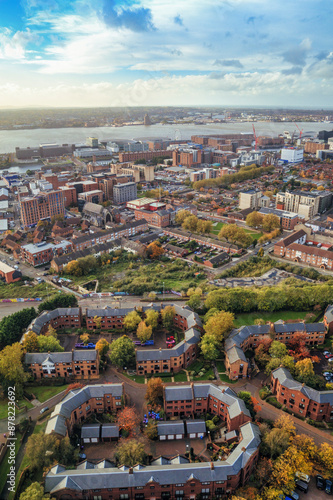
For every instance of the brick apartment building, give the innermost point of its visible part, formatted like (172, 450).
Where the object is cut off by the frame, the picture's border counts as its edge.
(94, 196)
(41, 206)
(60, 318)
(42, 253)
(144, 155)
(159, 218)
(78, 405)
(9, 273)
(167, 479)
(281, 246)
(301, 399)
(288, 220)
(75, 364)
(312, 147)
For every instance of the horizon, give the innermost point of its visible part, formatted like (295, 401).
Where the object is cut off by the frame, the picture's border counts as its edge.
(133, 53)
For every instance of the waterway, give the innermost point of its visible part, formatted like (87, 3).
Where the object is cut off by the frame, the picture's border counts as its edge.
(10, 139)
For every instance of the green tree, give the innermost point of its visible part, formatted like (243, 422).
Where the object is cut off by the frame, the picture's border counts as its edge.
(277, 349)
(122, 352)
(151, 430)
(11, 367)
(168, 313)
(144, 332)
(152, 318)
(102, 347)
(12, 326)
(41, 450)
(49, 344)
(254, 219)
(131, 320)
(204, 226)
(131, 453)
(34, 492)
(30, 342)
(57, 301)
(194, 302)
(276, 442)
(210, 347)
(51, 332)
(220, 325)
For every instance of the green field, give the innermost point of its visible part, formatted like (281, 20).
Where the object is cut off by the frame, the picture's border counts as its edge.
(255, 235)
(248, 318)
(180, 377)
(43, 393)
(220, 366)
(4, 407)
(140, 379)
(217, 227)
(226, 379)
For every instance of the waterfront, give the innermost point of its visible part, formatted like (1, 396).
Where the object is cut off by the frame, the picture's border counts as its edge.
(10, 139)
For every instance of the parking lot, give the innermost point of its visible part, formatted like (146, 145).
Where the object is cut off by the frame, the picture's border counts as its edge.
(313, 493)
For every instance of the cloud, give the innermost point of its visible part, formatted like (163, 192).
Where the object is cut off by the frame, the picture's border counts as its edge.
(178, 20)
(253, 19)
(13, 46)
(295, 70)
(228, 63)
(297, 55)
(133, 18)
(176, 52)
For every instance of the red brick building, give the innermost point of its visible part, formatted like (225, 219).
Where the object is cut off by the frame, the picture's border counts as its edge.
(42, 206)
(60, 318)
(160, 218)
(144, 155)
(9, 273)
(75, 364)
(301, 399)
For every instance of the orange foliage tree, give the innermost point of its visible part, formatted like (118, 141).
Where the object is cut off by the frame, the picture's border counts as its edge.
(128, 419)
(74, 386)
(154, 250)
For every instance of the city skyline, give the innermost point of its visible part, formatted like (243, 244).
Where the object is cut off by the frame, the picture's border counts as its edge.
(150, 52)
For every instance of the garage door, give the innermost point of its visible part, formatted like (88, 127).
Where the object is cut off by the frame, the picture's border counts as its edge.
(171, 436)
(193, 435)
(86, 440)
(200, 434)
(162, 438)
(94, 440)
(179, 436)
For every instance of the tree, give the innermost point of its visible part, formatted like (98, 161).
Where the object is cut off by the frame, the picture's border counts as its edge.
(210, 347)
(102, 347)
(263, 470)
(49, 344)
(152, 295)
(304, 370)
(182, 215)
(190, 223)
(85, 337)
(59, 300)
(41, 450)
(154, 250)
(276, 442)
(259, 321)
(12, 326)
(128, 419)
(151, 430)
(285, 422)
(11, 367)
(272, 365)
(152, 318)
(131, 453)
(277, 349)
(194, 302)
(154, 393)
(131, 320)
(73, 268)
(220, 325)
(122, 352)
(51, 332)
(30, 342)
(204, 226)
(168, 313)
(250, 402)
(271, 222)
(34, 492)
(74, 386)
(144, 332)
(254, 219)
(98, 322)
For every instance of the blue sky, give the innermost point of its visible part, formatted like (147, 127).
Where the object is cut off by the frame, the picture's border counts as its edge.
(159, 52)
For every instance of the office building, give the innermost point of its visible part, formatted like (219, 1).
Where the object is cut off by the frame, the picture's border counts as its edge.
(124, 192)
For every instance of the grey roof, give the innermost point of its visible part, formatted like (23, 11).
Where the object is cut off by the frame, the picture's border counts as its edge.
(175, 472)
(329, 314)
(110, 431)
(235, 354)
(46, 316)
(85, 355)
(238, 336)
(183, 392)
(192, 336)
(195, 426)
(172, 427)
(92, 207)
(76, 398)
(53, 357)
(90, 431)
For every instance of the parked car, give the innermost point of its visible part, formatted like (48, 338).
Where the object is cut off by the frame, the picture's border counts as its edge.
(320, 482)
(302, 486)
(329, 487)
(328, 355)
(302, 477)
(294, 496)
(43, 410)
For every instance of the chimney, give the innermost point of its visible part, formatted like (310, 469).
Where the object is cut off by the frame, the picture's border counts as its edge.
(212, 466)
(130, 470)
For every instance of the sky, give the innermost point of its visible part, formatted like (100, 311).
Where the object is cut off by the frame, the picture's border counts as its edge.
(68, 53)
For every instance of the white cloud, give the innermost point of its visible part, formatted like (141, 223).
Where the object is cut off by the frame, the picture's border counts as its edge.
(13, 44)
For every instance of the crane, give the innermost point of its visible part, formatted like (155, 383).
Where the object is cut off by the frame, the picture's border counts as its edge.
(255, 138)
(300, 131)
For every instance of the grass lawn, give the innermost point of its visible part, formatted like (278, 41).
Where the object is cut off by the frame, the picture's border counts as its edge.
(180, 377)
(220, 366)
(43, 393)
(255, 235)
(19, 290)
(206, 375)
(5, 466)
(226, 379)
(140, 379)
(217, 227)
(166, 379)
(196, 366)
(248, 318)
(4, 407)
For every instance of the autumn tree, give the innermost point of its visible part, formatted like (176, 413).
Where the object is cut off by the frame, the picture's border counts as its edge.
(263, 470)
(277, 349)
(30, 342)
(168, 313)
(98, 322)
(259, 321)
(122, 352)
(152, 318)
(34, 492)
(49, 344)
(304, 370)
(182, 215)
(131, 320)
(270, 222)
(73, 268)
(74, 386)
(102, 347)
(285, 422)
(220, 325)
(275, 442)
(154, 250)
(234, 234)
(210, 347)
(144, 332)
(254, 219)
(131, 452)
(151, 430)
(250, 401)
(154, 393)
(128, 420)
(41, 450)
(11, 367)
(85, 337)
(51, 332)
(190, 223)
(204, 226)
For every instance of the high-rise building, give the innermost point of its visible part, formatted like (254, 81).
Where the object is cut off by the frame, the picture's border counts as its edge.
(42, 206)
(124, 192)
(250, 199)
(146, 120)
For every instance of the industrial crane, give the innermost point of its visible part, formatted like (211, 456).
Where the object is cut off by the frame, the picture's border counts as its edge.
(255, 138)
(300, 131)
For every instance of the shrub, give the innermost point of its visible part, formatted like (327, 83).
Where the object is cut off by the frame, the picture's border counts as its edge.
(264, 393)
(274, 402)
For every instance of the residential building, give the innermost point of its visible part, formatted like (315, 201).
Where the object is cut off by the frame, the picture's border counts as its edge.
(312, 147)
(288, 220)
(305, 204)
(9, 273)
(61, 318)
(75, 364)
(296, 237)
(250, 199)
(42, 206)
(124, 192)
(292, 155)
(42, 253)
(96, 196)
(144, 155)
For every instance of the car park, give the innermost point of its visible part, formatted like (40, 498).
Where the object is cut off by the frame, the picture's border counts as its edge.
(320, 482)
(329, 487)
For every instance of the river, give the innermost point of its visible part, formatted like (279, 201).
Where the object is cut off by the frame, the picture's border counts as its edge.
(10, 139)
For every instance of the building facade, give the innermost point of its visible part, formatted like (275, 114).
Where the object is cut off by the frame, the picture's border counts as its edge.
(124, 192)
(42, 206)
(75, 364)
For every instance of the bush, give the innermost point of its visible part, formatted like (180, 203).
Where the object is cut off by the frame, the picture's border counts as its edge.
(274, 402)
(319, 425)
(264, 392)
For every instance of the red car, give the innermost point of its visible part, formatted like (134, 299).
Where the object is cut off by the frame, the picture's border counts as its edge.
(170, 339)
(327, 356)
